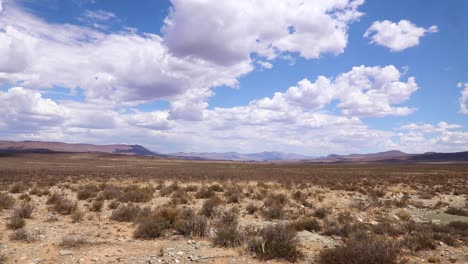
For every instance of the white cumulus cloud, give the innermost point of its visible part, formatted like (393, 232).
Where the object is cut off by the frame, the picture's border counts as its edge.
(363, 91)
(227, 32)
(397, 36)
(463, 98)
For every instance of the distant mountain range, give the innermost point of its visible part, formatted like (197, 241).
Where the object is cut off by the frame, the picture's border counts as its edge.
(393, 156)
(47, 147)
(261, 156)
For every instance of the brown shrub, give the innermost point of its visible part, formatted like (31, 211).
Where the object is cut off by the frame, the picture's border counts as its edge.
(18, 188)
(276, 242)
(73, 241)
(205, 193)
(126, 213)
(88, 191)
(420, 241)
(6, 201)
(96, 206)
(227, 233)
(209, 206)
(191, 224)
(151, 228)
(136, 194)
(364, 249)
(274, 211)
(16, 222)
(62, 204)
(307, 223)
(77, 216)
(23, 235)
(39, 192)
(24, 210)
(251, 208)
(456, 211)
(113, 205)
(321, 212)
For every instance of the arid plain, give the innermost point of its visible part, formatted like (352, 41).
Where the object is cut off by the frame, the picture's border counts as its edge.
(99, 208)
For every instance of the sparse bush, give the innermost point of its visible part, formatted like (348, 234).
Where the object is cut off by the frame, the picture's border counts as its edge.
(88, 191)
(6, 201)
(420, 241)
(73, 240)
(276, 242)
(192, 225)
(136, 194)
(16, 222)
(39, 192)
(18, 188)
(125, 213)
(150, 228)
(321, 212)
(77, 216)
(25, 197)
(96, 206)
(24, 210)
(205, 193)
(180, 197)
(251, 208)
(209, 206)
(274, 211)
(62, 204)
(113, 205)
(364, 249)
(457, 211)
(23, 235)
(227, 233)
(276, 199)
(167, 190)
(153, 223)
(110, 192)
(307, 223)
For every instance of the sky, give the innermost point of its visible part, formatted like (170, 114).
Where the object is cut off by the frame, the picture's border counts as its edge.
(307, 77)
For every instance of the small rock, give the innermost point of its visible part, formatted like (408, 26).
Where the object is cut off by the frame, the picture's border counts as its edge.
(453, 259)
(64, 252)
(180, 253)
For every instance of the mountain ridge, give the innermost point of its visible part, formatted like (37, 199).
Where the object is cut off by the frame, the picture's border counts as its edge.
(390, 156)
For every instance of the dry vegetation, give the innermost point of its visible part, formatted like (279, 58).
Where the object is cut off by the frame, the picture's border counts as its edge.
(85, 208)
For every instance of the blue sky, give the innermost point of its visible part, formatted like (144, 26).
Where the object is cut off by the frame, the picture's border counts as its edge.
(217, 76)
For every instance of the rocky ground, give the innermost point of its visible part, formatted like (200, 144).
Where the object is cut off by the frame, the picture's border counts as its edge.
(97, 239)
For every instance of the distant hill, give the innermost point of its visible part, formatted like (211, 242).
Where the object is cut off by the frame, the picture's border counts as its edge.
(50, 147)
(392, 156)
(234, 156)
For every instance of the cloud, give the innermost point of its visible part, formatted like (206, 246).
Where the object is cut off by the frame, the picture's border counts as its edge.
(441, 137)
(27, 110)
(265, 64)
(99, 15)
(397, 36)
(229, 32)
(119, 68)
(363, 91)
(463, 98)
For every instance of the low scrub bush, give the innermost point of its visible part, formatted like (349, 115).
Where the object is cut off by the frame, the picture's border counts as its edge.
(364, 249)
(276, 242)
(136, 194)
(227, 233)
(16, 222)
(61, 204)
(210, 206)
(24, 210)
(18, 188)
(126, 213)
(96, 206)
(307, 223)
(73, 241)
(457, 211)
(6, 201)
(23, 235)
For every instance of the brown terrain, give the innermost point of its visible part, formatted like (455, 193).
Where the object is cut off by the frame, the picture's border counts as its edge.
(108, 208)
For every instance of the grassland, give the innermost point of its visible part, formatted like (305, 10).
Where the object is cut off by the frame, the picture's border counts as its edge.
(88, 208)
